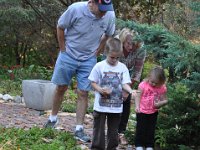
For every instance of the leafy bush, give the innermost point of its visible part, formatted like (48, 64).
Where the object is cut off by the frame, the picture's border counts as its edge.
(179, 122)
(179, 56)
(10, 87)
(33, 72)
(11, 77)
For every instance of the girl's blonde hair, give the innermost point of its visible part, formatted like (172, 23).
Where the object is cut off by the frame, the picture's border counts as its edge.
(113, 45)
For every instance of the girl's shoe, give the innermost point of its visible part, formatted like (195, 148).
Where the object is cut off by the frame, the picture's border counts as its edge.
(149, 148)
(139, 148)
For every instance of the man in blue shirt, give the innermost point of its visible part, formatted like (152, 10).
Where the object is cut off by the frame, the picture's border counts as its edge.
(82, 31)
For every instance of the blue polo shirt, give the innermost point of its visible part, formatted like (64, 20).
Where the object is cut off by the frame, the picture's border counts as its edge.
(83, 31)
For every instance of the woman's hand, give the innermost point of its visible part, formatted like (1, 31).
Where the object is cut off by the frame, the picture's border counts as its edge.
(137, 109)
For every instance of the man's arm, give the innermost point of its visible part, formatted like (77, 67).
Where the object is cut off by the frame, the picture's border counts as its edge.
(100, 49)
(61, 38)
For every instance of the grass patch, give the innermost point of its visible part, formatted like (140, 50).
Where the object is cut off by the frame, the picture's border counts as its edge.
(70, 100)
(35, 139)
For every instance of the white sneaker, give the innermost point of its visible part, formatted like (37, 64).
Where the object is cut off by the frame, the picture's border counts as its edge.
(149, 148)
(139, 148)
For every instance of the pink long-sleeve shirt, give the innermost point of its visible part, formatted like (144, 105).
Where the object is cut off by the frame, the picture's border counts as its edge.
(149, 95)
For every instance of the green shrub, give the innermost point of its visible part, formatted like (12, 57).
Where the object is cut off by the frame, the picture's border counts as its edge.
(176, 54)
(11, 79)
(10, 87)
(179, 121)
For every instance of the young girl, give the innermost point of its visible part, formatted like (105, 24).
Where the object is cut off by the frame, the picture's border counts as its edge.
(108, 78)
(152, 96)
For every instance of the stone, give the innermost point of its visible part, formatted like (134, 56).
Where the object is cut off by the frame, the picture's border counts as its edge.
(18, 99)
(38, 94)
(7, 97)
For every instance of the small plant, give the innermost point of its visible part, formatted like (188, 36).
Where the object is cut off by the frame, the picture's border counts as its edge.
(70, 98)
(10, 87)
(35, 138)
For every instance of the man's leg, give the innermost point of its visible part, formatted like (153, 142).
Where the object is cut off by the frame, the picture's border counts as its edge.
(57, 101)
(82, 104)
(58, 97)
(84, 85)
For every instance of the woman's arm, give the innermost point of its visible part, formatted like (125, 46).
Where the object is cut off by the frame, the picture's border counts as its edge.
(139, 63)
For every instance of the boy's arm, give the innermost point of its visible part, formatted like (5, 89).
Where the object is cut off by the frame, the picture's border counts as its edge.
(101, 90)
(126, 87)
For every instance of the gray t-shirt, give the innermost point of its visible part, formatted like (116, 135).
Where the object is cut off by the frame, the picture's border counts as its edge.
(83, 31)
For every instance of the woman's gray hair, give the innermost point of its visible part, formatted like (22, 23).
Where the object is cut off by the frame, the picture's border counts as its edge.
(125, 32)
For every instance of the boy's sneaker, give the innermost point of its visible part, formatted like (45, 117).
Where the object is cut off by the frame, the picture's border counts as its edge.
(50, 124)
(80, 135)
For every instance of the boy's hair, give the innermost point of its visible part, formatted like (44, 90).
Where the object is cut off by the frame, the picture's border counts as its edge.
(113, 45)
(159, 73)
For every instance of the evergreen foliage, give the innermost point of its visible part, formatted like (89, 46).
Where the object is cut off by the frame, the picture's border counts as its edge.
(179, 121)
(176, 54)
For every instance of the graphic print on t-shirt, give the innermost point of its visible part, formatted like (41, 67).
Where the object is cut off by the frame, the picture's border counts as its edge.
(151, 97)
(112, 81)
